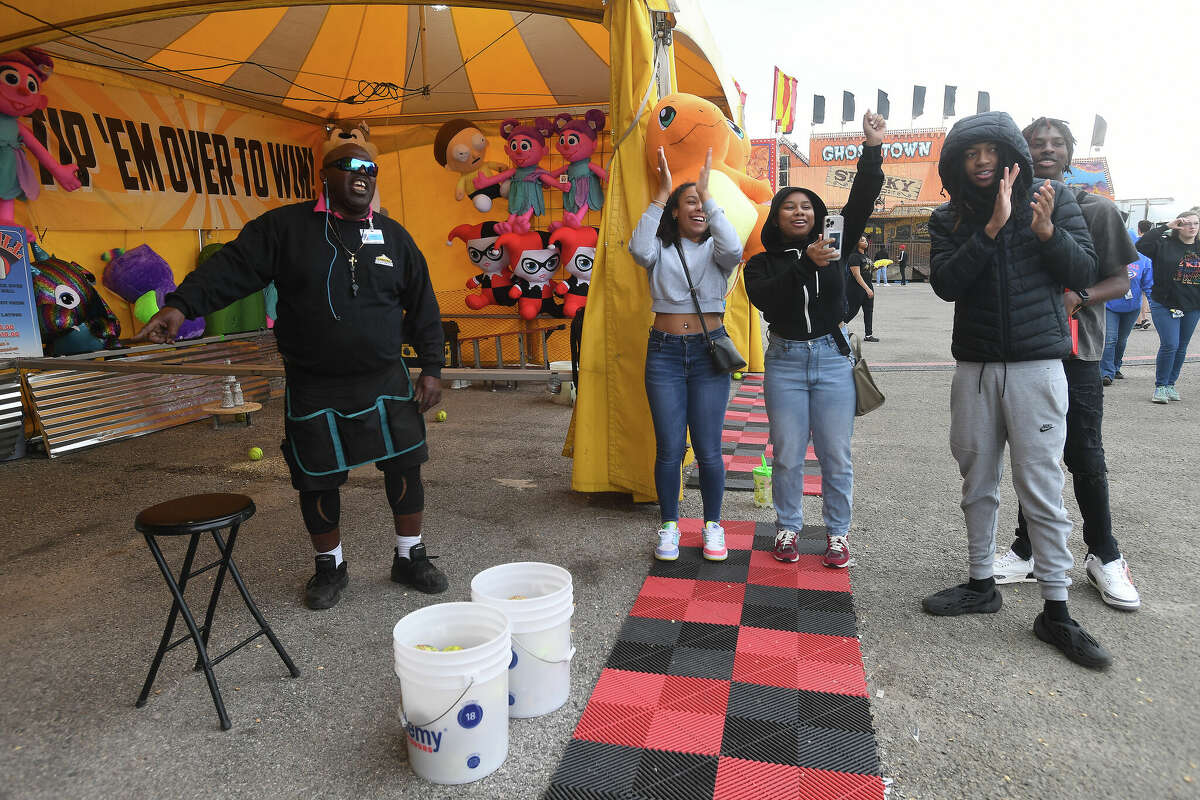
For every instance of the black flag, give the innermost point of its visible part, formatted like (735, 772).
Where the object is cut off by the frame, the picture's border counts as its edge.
(847, 107)
(918, 101)
(818, 109)
(983, 102)
(883, 106)
(948, 102)
(1099, 131)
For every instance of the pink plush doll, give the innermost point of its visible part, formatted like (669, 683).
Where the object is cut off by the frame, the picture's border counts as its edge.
(577, 248)
(22, 73)
(495, 278)
(577, 139)
(533, 262)
(526, 148)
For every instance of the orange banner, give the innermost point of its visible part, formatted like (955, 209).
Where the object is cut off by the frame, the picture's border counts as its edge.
(160, 162)
(897, 147)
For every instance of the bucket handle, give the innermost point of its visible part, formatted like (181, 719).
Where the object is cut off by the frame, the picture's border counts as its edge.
(444, 713)
(570, 654)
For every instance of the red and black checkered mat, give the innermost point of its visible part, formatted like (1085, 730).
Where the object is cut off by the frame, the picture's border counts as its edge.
(744, 442)
(733, 679)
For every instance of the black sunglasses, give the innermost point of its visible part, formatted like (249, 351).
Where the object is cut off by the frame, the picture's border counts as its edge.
(350, 164)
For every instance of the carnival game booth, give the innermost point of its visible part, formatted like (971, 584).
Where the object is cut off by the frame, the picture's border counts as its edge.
(191, 119)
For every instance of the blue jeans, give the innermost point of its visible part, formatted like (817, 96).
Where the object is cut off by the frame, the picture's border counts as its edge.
(881, 276)
(1117, 326)
(809, 389)
(1173, 338)
(686, 392)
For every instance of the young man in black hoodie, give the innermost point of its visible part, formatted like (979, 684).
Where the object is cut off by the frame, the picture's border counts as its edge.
(353, 288)
(1004, 256)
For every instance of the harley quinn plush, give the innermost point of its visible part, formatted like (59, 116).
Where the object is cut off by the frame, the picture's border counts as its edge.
(494, 279)
(527, 179)
(533, 262)
(577, 249)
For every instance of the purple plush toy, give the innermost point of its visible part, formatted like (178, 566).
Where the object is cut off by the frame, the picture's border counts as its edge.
(143, 279)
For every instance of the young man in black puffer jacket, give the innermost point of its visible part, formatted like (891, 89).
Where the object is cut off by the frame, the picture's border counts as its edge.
(1004, 254)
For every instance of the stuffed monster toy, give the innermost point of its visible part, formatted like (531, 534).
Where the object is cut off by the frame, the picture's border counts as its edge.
(346, 132)
(577, 248)
(527, 179)
(74, 317)
(141, 278)
(22, 73)
(577, 140)
(495, 278)
(460, 147)
(533, 262)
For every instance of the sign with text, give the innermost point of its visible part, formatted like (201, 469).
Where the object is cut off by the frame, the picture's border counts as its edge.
(901, 147)
(157, 161)
(893, 186)
(19, 334)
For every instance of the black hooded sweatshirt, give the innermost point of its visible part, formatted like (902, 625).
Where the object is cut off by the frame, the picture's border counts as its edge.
(800, 300)
(1008, 291)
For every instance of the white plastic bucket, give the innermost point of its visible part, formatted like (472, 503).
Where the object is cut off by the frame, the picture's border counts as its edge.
(537, 599)
(454, 703)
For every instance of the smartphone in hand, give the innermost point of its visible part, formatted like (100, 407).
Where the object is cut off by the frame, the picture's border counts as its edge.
(835, 225)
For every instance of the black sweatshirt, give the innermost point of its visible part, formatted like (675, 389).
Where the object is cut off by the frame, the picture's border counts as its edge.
(1176, 268)
(799, 299)
(298, 248)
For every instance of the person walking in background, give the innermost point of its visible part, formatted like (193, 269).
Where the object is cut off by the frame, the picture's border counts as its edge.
(685, 230)
(800, 286)
(1124, 313)
(859, 294)
(1052, 145)
(1175, 298)
(1003, 254)
(902, 265)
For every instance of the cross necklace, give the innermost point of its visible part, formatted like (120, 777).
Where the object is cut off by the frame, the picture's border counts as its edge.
(351, 254)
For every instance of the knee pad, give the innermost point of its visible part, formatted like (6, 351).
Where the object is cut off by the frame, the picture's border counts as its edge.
(321, 510)
(405, 492)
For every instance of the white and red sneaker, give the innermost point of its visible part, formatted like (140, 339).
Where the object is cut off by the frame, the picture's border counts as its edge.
(714, 542)
(837, 552)
(785, 546)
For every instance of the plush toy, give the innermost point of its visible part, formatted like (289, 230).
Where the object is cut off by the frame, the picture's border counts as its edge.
(74, 317)
(686, 127)
(577, 140)
(526, 148)
(141, 278)
(22, 73)
(495, 278)
(577, 252)
(350, 132)
(533, 262)
(738, 160)
(460, 147)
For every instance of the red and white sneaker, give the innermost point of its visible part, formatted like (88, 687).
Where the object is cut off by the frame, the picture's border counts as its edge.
(837, 552)
(714, 542)
(785, 546)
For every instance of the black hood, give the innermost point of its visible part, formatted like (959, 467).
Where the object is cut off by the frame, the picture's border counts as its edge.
(771, 237)
(990, 126)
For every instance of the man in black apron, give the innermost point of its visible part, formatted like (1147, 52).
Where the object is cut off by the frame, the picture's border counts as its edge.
(353, 287)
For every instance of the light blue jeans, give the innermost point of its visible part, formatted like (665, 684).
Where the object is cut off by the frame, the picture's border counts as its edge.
(810, 390)
(1174, 334)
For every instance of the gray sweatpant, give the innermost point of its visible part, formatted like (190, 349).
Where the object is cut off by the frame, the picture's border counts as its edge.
(1022, 403)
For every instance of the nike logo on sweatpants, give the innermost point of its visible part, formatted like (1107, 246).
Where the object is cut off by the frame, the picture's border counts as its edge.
(1045, 428)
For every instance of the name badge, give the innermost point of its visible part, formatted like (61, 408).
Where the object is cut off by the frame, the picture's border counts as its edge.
(372, 236)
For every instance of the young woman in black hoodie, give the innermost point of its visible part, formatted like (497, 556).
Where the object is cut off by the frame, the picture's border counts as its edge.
(801, 289)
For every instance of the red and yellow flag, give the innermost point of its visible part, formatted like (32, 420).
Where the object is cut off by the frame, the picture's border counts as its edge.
(783, 106)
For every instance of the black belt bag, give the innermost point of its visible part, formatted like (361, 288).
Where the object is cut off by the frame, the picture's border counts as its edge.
(724, 352)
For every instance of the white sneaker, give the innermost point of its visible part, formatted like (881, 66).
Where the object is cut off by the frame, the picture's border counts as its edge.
(668, 544)
(714, 542)
(1113, 583)
(1011, 568)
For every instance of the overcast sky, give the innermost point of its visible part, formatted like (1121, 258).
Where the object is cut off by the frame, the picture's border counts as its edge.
(1135, 64)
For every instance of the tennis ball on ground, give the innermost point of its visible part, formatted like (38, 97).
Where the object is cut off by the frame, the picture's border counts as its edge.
(256, 454)
(737, 376)
(440, 416)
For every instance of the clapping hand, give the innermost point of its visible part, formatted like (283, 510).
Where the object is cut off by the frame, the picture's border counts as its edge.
(702, 179)
(664, 178)
(1043, 211)
(1002, 210)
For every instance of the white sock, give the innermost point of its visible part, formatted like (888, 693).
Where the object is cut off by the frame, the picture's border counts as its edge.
(405, 543)
(337, 555)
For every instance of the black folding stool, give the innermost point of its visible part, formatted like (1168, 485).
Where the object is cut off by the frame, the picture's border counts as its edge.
(195, 515)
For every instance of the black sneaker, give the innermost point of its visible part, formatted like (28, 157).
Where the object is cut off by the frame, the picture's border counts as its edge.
(1107, 381)
(962, 599)
(1119, 375)
(418, 571)
(870, 338)
(325, 588)
(1075, 643)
